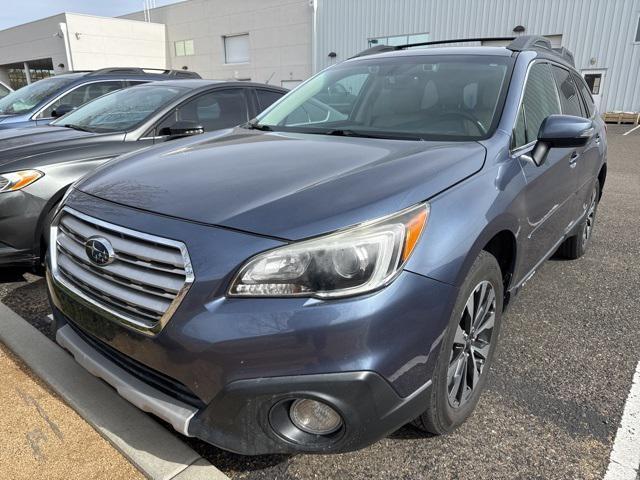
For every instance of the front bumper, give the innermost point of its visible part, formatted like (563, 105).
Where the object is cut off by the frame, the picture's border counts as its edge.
(236, 359)
(20, 214)
(244, 416)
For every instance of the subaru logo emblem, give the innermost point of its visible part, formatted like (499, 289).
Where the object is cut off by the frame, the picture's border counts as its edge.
(99, 251)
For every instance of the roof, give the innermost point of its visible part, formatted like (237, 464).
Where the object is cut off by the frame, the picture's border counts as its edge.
(194, 84)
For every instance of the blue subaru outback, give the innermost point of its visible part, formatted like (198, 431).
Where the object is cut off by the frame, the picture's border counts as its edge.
(338, 267)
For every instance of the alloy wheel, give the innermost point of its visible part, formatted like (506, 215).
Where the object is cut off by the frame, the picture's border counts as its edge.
(471, 344)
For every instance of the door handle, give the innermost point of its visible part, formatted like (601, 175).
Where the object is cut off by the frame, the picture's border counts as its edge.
(573, 159)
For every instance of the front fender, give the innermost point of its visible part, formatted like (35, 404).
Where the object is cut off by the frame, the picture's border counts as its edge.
(465, 218)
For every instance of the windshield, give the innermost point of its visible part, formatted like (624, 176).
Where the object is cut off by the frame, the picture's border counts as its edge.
(24, 99)
(434, 97)
(121, 110)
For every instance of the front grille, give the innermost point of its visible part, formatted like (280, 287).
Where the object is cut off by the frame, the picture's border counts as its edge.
(142, 286)
(159, 381)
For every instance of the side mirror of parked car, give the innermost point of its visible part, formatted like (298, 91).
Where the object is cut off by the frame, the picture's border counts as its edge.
(561, 131)
(182, 128)
(61, 110)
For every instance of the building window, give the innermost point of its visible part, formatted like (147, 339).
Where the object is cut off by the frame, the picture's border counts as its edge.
(399, 39)
(236, 49)
(593, 81)
(184, 48)
(638, 31)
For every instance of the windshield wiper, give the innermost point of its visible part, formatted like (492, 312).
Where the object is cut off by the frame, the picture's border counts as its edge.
(77, 127)
(339, 132)
(256, 126)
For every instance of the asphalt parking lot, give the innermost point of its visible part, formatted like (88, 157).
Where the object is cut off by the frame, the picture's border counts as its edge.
(569, 348)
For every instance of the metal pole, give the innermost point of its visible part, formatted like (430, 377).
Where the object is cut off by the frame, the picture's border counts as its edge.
(27, 72)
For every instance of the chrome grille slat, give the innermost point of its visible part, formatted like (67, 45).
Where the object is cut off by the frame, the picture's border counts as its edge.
(116, 279)
(124, 244)
(111, 288)
(142, 286)
(152, 318)
(129, 259)
(168, 283)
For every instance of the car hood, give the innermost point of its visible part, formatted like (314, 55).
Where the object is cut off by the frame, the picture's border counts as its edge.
(34, 144)
(284, 185)
(4, 117)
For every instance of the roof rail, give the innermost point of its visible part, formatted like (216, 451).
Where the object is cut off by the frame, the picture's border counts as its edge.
(566, 54)
(390, 48)
(181, 74)
(518, 44)
(144, 71)
(528, 42)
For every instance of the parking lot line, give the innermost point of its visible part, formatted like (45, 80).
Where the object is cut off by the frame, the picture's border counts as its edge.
(624, 461)
(633, 129)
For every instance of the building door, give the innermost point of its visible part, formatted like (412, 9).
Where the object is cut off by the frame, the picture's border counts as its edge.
(595, 82)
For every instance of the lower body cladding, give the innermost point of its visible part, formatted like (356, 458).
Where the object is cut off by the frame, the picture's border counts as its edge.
(260, 376)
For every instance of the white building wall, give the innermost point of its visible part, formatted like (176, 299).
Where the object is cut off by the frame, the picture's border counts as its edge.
(98, 42)
(599, 32)
(280, 33)
(33, 41)
(93, 43)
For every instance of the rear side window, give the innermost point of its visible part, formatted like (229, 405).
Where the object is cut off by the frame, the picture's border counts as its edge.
(568, 92)
(539, 101)
(81, 95)
(266, 98)
(586, 96)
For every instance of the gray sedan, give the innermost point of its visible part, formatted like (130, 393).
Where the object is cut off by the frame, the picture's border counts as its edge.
(37, 165)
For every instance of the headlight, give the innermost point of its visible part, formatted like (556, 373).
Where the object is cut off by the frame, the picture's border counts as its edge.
(10, 182)
(353, 261)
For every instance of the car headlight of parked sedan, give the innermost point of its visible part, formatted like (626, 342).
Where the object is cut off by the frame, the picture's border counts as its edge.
(14, 181)
(352, 261)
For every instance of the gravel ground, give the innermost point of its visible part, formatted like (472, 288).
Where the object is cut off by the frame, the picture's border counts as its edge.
(569, 347)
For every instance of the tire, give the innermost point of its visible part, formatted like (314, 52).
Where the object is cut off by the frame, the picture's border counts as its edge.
(575, 246)
(447, 407)
(44, 239)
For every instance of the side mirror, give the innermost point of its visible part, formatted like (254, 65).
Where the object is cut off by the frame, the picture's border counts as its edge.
(561, 131)
(182, 128)
(62, 110)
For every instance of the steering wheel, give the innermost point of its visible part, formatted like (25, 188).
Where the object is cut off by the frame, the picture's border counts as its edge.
(467, 116)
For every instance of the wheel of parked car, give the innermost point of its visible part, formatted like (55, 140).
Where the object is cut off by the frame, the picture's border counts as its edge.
(574, 247)
(44, 238)
(467, 349)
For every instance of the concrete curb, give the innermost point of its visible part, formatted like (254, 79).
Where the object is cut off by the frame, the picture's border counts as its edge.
(156, 452)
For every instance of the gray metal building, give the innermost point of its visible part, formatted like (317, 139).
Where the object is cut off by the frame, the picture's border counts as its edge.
(604, 35)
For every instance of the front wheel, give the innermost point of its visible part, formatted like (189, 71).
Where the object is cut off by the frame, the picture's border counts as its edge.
(467, 349)
(575, 247)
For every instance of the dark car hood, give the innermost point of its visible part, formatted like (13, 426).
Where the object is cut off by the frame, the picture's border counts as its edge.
(28, 147)
(288, 186)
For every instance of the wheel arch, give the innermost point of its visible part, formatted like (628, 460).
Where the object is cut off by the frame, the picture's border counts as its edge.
(602, 177)
(500, 239)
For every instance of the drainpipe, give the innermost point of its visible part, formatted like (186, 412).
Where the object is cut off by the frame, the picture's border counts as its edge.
(27, 73)
(67, 45)
(314, 37)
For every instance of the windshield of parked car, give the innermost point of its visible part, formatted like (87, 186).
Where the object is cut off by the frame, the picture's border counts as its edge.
(24, 99)
(421, 97)
(121, 110)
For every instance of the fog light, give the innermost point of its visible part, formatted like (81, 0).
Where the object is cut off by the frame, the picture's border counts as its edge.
(314, 417)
